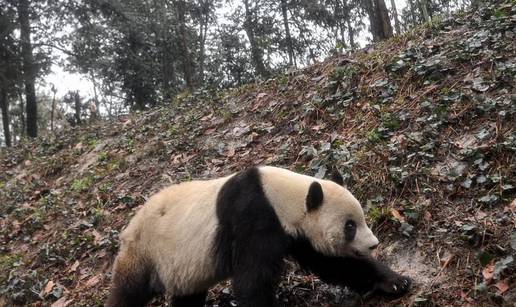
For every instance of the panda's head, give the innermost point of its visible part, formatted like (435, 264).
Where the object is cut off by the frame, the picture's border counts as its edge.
(334, 221)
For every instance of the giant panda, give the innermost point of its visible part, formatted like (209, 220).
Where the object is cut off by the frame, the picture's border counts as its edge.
(192, 235)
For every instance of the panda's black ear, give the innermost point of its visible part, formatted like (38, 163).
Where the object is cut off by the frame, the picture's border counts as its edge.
(337, 177)
(314, 198)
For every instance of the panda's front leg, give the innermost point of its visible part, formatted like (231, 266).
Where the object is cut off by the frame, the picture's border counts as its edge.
(254, 285)
(370, 276)
(361, 274)
(257, 267)
(386, 280)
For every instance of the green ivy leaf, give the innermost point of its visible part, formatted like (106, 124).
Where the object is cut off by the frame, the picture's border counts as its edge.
(484, 258)
(502, 265)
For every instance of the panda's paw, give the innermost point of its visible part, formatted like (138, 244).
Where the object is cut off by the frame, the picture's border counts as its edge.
(395, 285)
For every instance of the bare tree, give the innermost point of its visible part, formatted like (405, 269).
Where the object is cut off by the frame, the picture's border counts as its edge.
(395, 17)
(4, 105)
(187, 64)
(256, 51)
(29, 68)
(290, 48)
(52, 111)
(423, 7)
(379, 19)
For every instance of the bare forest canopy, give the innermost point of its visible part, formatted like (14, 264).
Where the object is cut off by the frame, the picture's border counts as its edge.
(137, 54)
(422, 126)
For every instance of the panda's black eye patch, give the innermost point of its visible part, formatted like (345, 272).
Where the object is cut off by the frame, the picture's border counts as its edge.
(350, 230)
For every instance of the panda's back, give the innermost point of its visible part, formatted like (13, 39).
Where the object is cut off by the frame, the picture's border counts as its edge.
(175, 229)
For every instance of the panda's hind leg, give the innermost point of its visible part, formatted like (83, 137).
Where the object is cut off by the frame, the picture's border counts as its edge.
(193, 300)
(131, 282)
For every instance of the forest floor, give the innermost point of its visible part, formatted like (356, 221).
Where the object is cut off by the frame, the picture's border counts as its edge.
(423, 127)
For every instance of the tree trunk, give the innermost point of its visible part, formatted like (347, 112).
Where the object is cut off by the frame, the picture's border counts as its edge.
(29, 69)
(379, 19)
(95, 94)
(22, 120)
(256, 51)
(162, 40)
(351, 34)
(167, 72)
(137, 96)
(77, 105)
(53, 108)
(340, 28)
(311, 56)
(290, 47)
(4, 104)
(424, 11)
(412, 10)
(383, 16)
(203, 34)
(373, 21)
(183, 42)
(395, 17)
(346, 12)
(202, 41)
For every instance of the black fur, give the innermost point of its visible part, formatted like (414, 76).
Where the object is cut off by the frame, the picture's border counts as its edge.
(361, 274)
(350, 230)
(194, 300)
(315, 196)
(251, 244)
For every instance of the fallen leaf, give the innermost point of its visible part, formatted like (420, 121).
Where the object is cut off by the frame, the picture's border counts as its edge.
(25, 248)
(93, 281)
(50, 285)
(261, 95)
(126, 123)
(259, 101)
(481, 215)
(446, 259)
(176, 158)
(397, 215)
(487, 272)
(38, 237)
(205, 118)
(253, 137)
(465, 297)
(97, 236)
(210, 131)
(231, 152)
(62, 302)
(502, 285)
(74, 266)
(101, 254)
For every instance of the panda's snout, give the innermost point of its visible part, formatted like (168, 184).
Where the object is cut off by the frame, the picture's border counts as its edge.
(373, 247)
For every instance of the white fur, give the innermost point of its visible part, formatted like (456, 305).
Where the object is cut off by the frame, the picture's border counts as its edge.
(175, 229)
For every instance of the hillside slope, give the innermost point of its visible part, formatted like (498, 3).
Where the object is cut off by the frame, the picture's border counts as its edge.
(423, 126)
